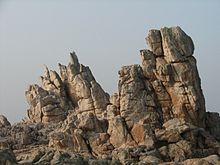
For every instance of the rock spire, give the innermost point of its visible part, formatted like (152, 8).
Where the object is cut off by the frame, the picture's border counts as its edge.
(157, 116)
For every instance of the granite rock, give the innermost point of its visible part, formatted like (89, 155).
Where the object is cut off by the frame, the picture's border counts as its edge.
(157, 115)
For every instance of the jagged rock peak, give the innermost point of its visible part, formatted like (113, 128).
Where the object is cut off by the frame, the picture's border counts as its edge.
(74, 59)
(157, 116)
(76, 89)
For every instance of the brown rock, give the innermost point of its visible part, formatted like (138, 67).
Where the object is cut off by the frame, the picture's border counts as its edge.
(44, 107)
(150, 160)
(154, 40)
(180, 151)
(65, 141)
(143, 135)
(156, 116)
(178, 85)
(75, 88)
(136, 98)
(118, 132)
(85, 93)
(176, 44)
(4, 121)
(89, 122)
(213, 124)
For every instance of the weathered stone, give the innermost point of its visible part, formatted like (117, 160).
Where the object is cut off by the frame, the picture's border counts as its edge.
(74, 142)
(143, 135)
(154, 40)
(122, 155)
(176, 44)
(112, 111)
(76, 88)
(172, 130)
(157, 116)
(85, 93)
(213, 124)
(89, 122)
(4, 121)
(61, 140)
(114, 99)
(150, 160)
(99, 143)
(210, 160)
(169, 136)
(174, 75)
(119, 134)
(136, 97)
(4, 144)
(180, 151)
(164, 153)
(7, 157)
(45, 106)
(148, 63)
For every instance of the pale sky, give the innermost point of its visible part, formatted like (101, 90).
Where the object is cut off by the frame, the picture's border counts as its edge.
(105, 35)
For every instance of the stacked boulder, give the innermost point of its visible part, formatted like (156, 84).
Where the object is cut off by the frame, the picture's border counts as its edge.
(157, 116)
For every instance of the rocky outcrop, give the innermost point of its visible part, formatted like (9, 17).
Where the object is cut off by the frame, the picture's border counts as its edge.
(157, 116)
(4, 121)
(172, 71)
(75, 89)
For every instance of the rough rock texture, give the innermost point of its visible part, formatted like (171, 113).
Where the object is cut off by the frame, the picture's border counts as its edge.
(7, 157)
(171, 69)
(4, 121)
(157, 116)
(75, 89)
(212, 124)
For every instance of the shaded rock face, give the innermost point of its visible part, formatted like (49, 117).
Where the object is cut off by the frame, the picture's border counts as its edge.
(7, 157)
(157, 116)
(213, 124)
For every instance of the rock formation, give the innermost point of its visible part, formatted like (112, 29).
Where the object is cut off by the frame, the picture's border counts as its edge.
(157, 116)
(76, 89)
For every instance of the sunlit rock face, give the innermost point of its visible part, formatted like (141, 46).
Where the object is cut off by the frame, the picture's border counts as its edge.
(157, 116)
(75, 89)
(171, 69)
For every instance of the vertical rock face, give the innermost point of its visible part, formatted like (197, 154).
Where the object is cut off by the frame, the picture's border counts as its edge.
(171, 69)
(157, 115)
(137, 100)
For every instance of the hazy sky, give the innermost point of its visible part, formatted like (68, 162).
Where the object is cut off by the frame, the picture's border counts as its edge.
(104, 34)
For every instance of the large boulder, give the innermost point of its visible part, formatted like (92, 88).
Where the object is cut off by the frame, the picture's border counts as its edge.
(172, 71)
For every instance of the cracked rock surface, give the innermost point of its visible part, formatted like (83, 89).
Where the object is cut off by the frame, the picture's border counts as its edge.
(157, 116)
